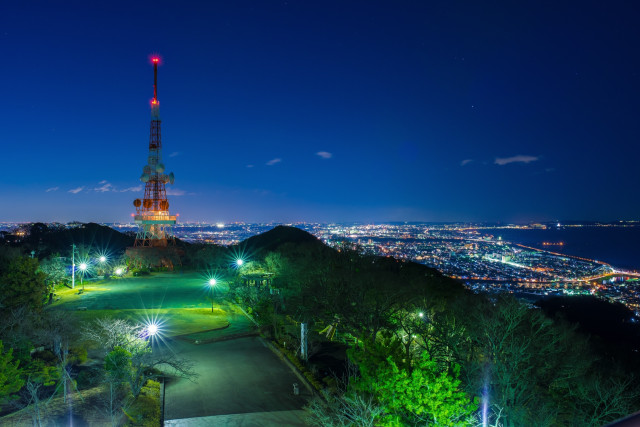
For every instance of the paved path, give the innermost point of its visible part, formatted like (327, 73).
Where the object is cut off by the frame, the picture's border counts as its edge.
(257, 419)
(240, 376)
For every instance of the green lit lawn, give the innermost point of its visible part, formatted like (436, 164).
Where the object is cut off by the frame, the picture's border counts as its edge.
(175, 321)
(181, 301)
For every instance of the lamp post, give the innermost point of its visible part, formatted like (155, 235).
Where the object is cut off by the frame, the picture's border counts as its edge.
(102, 259)
(73, 266)
(152, 329)
(83, 268)
(212, 286)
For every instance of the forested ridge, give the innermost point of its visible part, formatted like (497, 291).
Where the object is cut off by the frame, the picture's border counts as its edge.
(390, 342)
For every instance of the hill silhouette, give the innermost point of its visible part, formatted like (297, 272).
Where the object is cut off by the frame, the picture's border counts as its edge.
(278, 236)
(47, 239)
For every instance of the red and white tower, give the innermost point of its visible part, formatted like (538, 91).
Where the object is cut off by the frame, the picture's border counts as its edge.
(152, 212)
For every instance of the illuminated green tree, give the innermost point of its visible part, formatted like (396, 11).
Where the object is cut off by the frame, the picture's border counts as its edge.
(424, 395)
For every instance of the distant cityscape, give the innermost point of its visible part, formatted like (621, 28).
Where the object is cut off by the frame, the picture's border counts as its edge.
(473, 253)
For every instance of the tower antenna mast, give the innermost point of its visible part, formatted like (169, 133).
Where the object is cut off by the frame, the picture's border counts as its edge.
(152, 212)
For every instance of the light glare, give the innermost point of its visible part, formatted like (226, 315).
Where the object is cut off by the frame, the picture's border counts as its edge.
(152, 329)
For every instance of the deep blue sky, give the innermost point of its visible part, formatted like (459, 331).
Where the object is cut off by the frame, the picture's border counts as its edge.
(497, 111)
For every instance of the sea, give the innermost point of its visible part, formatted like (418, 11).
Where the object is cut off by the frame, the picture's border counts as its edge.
(618, 246)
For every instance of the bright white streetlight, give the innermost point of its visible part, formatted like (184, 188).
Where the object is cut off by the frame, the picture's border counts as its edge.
(83, 267)
(102, 258)
(118, 272)
(152, 329)
(421, 314)
(239, 262)
(212, 286)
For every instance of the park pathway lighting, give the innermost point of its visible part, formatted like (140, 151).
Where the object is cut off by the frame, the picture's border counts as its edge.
(421, 314)
(239, 262)
(152, 329)
(102, 259)
(83, 267)
(212, 286)
(118, 272)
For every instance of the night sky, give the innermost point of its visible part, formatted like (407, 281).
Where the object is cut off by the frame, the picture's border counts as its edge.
(323, 110)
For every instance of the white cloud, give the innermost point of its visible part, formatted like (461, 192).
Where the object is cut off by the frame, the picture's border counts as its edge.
(136, 188)
(175, 192)
(515, 159)
(466, 162)
(249, 166)
(273, 161)
(324, 154)
(175, 153)
(106, 186)
(76, 190)
(52, 189)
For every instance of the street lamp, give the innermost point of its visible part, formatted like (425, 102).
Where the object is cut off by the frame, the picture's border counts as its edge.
(152, 329)
(212, 286)
(118, 272)
(102, 259)
(239, 262)
(83, 268)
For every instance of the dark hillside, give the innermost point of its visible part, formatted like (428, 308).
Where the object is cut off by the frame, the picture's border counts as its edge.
(278, 236)
(613, 327)
(47, 239)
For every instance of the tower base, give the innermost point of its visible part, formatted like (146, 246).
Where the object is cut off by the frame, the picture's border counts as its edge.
(167, 257)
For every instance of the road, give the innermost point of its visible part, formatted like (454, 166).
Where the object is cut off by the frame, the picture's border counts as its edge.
(241, 382)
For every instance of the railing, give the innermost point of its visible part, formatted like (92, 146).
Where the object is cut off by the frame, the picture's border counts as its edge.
(155, 218)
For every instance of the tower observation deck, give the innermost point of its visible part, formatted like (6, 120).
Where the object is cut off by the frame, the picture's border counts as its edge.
(152, 212)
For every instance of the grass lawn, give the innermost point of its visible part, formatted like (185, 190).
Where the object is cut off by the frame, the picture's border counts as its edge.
(179, 303)
(172, 321)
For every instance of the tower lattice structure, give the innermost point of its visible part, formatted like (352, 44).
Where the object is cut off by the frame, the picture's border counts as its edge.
(152, 212)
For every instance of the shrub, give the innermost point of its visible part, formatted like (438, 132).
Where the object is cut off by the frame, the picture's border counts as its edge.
(145, 411)
(77, 355)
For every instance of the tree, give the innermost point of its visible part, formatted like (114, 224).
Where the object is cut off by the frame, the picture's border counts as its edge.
(120, 336)
(55, 270)
(10, 375)
(117, 366)
(529, 363)
(22, 284)
(346, 409)
(424, 395)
